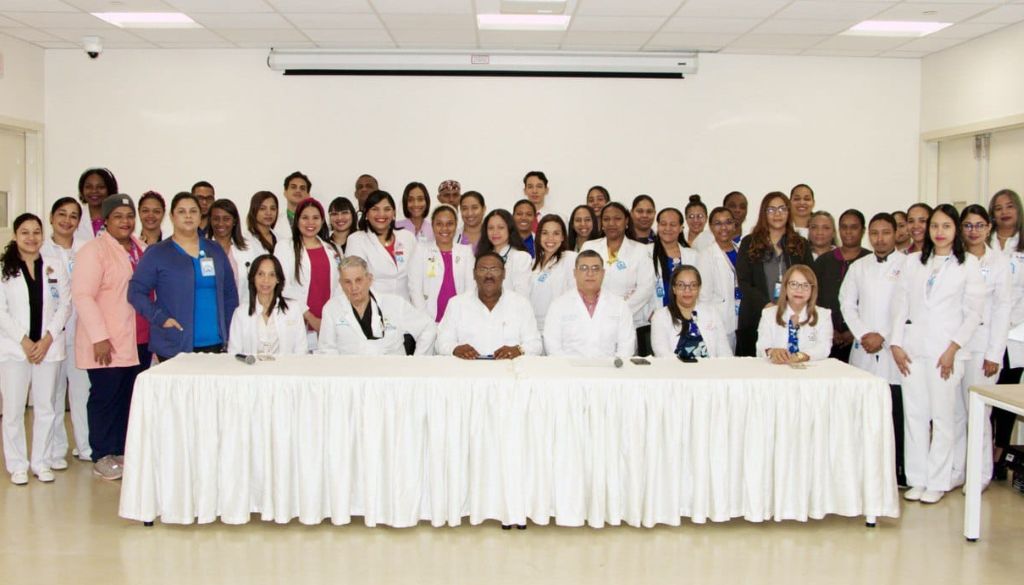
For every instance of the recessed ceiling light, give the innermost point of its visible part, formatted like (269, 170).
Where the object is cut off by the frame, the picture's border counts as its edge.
(555, 22)
(147, 19)
(896, 28)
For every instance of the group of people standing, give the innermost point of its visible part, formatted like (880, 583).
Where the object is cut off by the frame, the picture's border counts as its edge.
(930, 307)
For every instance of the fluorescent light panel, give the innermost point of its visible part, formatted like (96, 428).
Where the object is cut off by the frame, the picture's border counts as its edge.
(896, 28)
(147, 19)
(542, 22)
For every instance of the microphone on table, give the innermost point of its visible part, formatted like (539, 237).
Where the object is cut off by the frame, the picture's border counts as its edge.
(247, 359)
(618, 362)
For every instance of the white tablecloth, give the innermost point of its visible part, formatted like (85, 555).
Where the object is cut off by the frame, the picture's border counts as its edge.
(398, 440)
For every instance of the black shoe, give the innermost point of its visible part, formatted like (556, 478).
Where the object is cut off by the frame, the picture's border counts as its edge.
(521, 526)
(506, 527)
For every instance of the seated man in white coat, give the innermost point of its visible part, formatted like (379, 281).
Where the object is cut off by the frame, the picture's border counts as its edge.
(359, 322)
(489, 323)
(583, 322)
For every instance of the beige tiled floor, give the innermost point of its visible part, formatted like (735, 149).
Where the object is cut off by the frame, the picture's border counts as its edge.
(69, 532)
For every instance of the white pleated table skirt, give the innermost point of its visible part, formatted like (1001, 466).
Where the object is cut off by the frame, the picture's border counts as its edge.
(400, 440)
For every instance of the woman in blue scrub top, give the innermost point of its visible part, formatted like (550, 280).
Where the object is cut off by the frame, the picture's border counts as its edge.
(195, 291)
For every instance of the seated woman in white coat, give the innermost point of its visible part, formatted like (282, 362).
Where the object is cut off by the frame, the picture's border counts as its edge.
(360, 322)
(553, 266)
(440, 268)
(795, 330)
(35, 303)
(500, 236)
(686, 328)
(489, 322)
(387, 251)
(265, 325)
(582, 322)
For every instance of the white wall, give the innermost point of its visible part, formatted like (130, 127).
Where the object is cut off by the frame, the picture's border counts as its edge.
(977, 81)
(163, 119)
(21, 87)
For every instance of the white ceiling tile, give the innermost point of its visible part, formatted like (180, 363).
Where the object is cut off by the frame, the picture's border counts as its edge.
(782, 26)
(386, 43)
(630, 8)
(861, 43)
(838, 53)
(521, 39)
(429, 21)
(109, 35)
(817, 9)
(121, 5)
(233, 20)
(264, 35)
(57, 19)
(904, 54)
(348, 35)
(204, 44)
(434, 37)
(349, 6)
(29, 34)
(710, 25)
(186, 35)
(967, 30)
(1008, 14)
(57, 45)
(610, 40)
(731, 8)
(202, 6)
(279, 45)
(322, 20)
(929, 44)
(128, 45)
(35, 6)
(746, 51)
(943, 12)
(417, 6)
(690, 41)
(8, 23)
(620, 24)
(755, 41)
(435, 44)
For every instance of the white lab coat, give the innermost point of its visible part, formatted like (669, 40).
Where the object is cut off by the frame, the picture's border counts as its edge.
(391, 318)
(865, 298)
(718, 276)
(631, 276)
(298, 292)
(518, 270)
(244, 337)
(570, 330)
(390, 276)
(1015, 348)
(704, 240)
(665, 333)
(15, 316)
(814, 340)
(686, 256)
(83, 233)
(468, 321)
(550, 282)
(242, 261)
(989, 339)
(426, 274)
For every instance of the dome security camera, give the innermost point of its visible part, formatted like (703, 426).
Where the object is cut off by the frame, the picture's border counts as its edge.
(92, 46)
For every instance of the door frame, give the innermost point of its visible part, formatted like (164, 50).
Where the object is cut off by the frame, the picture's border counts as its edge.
(33, 131)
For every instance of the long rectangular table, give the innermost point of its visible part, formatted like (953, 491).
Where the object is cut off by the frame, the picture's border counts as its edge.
(398, 440)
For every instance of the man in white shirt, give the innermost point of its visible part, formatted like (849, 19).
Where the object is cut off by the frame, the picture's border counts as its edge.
(361, 323)
(489, 323)
(585, 323)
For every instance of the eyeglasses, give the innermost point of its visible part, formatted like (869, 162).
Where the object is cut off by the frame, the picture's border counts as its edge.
(802, 286)
(780, 210)
(974, 227)
(489, 269)
(687, 285)
(585, 268)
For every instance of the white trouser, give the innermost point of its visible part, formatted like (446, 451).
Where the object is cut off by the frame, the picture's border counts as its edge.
(77, 388)
(927, 398)
(973, 376)
(15, 379)
(731, 336)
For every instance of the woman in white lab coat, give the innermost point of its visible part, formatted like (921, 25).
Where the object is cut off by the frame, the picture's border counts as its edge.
(309, 262)
(265, 325)
(552, 272)
(936, 311)
(687, 328)
(669, 251)
(717, 265)
(260, 233)
(441, 268)
(35, 302)
(500, 236)
(987, 346)
(795, 329)
(386, 250)
(629, 271)
(226, 229)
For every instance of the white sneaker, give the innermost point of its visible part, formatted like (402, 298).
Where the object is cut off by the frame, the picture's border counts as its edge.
(931, 496)
(913, 494)
(45, 475)
(19, 477)
(59, 464)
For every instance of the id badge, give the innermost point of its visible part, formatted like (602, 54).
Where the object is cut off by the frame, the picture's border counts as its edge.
(777, 291)
(206, 267)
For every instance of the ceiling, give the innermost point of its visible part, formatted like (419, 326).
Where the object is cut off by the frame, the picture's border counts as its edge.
(786, 27)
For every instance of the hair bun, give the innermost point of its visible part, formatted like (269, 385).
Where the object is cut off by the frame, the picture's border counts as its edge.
(695, 198)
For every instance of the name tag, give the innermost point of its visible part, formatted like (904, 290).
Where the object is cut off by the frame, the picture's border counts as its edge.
(206, 267)
(53, 291)
(812, 335)
(620, 265)
(399, 257)
(543, 276)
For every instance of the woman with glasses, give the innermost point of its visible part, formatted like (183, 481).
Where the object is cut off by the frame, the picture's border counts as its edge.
(697, 237)
(717, 266)
(795, 330)
(763, 258)
(687, 328)
(936, 310)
